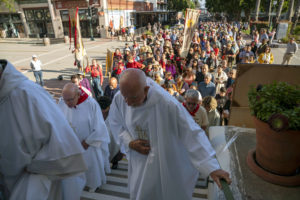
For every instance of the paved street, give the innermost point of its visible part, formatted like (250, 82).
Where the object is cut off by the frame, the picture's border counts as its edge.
(57, 59)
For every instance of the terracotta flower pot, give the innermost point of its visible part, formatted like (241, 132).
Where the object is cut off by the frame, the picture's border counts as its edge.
(277, 152)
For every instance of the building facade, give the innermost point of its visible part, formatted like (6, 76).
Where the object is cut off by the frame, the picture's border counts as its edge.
(31, 18)
(50, 18)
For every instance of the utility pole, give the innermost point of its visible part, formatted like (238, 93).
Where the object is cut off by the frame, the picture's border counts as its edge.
(90, 19)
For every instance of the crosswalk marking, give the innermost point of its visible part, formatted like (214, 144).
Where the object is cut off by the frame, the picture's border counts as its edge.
(117, 182)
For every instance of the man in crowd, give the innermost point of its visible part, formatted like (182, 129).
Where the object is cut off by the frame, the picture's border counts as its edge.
(85, 117)
(193, 105)
(83, 81)
(112, 88)
(247, 53)
(75, 80)
(97, 77)
(38, 147)
(201, 75)
(207, 88)
(36, 65)
(291, 50)
(163, 144)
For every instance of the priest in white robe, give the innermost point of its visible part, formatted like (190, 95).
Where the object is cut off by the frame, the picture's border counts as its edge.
(164, 146)
(85, 117)
(38, 148)
(114, 149)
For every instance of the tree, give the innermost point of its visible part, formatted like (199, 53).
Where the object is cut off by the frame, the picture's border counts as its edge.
(10, 4)
(180, 5)
(296, 17)
(270, 11)
(257, 9)
(279, 11)
(247, 6)
(291, 9)
(220, 6)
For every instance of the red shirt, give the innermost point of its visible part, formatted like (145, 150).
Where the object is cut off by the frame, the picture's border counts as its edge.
(163, 64)
(95, 72)
(216, 50)
(134, 64)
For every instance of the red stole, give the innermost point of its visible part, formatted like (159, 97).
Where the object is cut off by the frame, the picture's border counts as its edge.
(83, 97)
(193, 113)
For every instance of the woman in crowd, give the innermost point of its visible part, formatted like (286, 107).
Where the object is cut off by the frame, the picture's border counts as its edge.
(181, 86)
(266, 57)
(210, 104)
(231, 78)
(220, 78)
(188, 76)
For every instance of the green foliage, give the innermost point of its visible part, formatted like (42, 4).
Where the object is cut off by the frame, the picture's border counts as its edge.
(232, 7)
(148, 33)
(297, 30)
(276, 98)
(180, 5)
(9, 4)
(247, 32)
(167, 27)
(285, 7)
(285, 40)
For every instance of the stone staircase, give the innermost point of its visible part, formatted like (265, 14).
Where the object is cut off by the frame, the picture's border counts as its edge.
(116, 186)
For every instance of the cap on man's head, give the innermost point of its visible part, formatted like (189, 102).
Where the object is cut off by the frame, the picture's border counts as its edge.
(34, 56)
(127, 49)
(80, 73)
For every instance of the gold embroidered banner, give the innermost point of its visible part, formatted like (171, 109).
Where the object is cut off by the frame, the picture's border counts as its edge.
(109, 62)
(191, 23)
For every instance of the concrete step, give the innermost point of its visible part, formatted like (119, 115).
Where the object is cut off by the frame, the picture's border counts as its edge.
(117, 182)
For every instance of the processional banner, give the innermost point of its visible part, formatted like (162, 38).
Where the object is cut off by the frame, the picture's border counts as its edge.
(74, 29)
(191, 23)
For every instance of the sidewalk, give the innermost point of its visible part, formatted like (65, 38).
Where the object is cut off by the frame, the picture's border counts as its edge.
(57, 59)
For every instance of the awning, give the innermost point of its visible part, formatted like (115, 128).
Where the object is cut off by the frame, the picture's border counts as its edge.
(151, 12)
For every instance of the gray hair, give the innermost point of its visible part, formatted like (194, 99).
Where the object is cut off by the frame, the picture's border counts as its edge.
(193, 94)
(208, 75)
(179, 77)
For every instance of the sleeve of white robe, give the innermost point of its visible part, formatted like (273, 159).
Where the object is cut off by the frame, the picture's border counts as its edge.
(194, 139)
(98, 131)
(47, 137)
(119, 132)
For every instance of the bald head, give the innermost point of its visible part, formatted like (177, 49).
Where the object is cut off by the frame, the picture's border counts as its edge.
(133, 86)
(133, 78)
(70, 88)
(70, 94)
(113, 83)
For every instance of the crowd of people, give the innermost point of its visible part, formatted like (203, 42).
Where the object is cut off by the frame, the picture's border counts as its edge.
(156, 110)
(208, 67)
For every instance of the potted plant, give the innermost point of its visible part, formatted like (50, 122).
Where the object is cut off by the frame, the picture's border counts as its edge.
(276, 111)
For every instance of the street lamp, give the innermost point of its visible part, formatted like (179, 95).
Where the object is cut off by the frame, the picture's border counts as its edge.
(90, 19)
